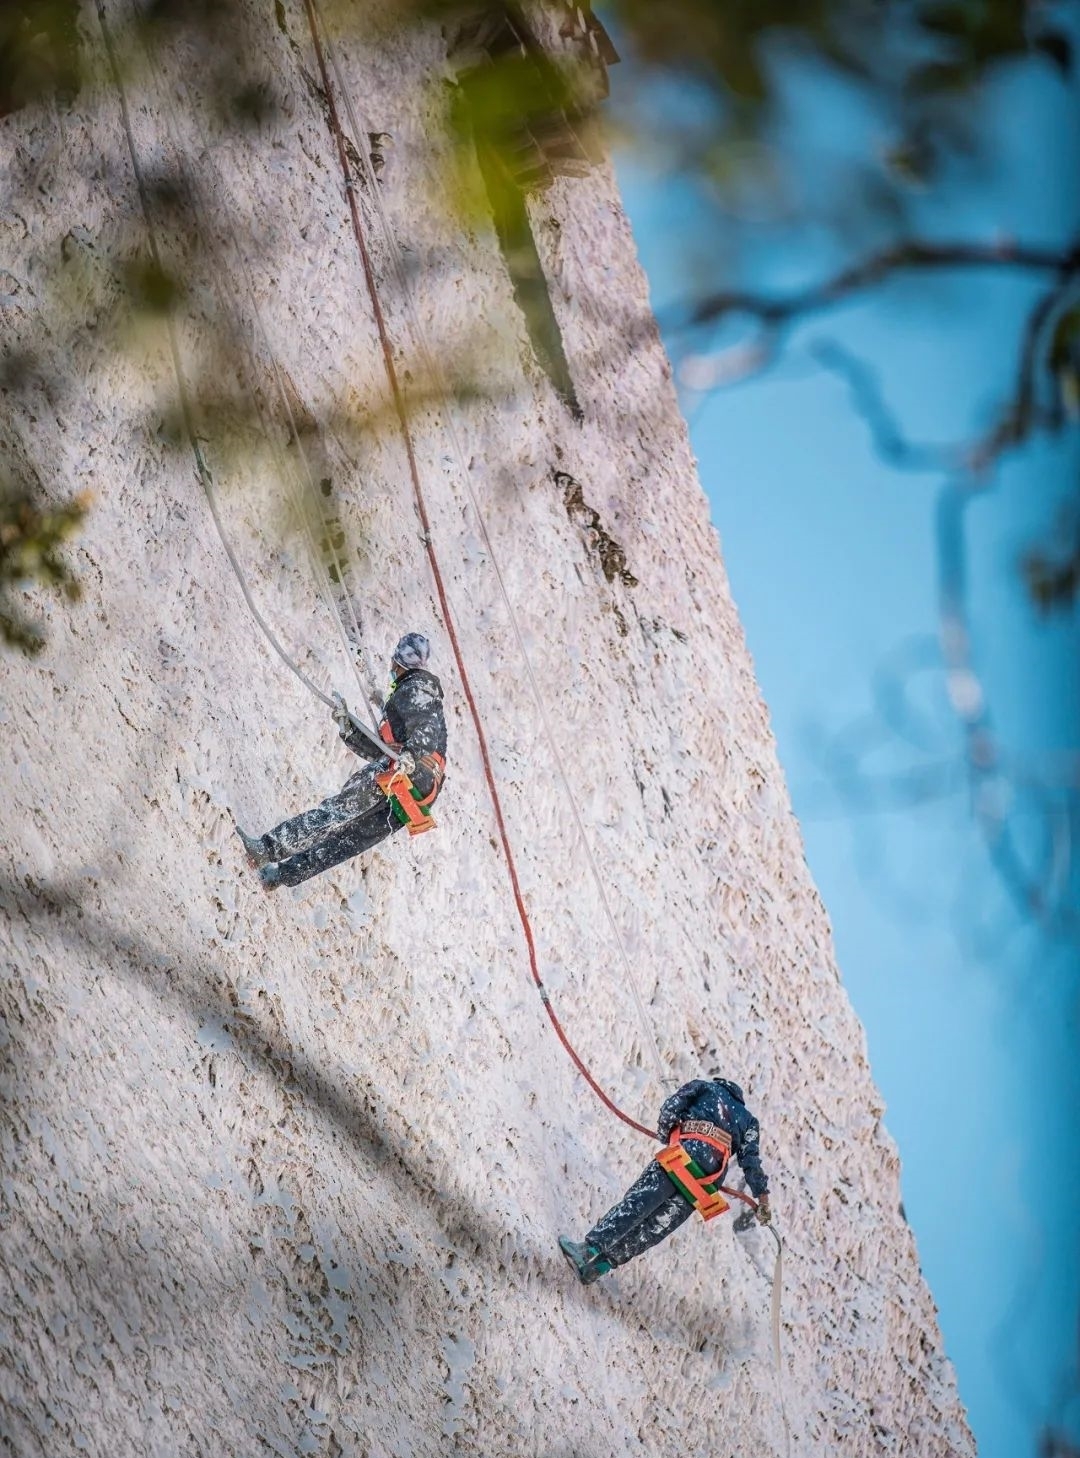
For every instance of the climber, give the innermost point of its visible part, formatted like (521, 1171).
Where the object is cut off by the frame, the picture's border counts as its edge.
(376, 800)
(709, 1121)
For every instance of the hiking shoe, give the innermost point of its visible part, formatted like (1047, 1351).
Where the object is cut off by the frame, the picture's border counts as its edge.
(255, 848)
(589, 1265)
(270, 876)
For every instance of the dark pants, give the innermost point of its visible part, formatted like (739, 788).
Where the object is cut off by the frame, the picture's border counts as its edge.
(651, 1209)
(342, 826)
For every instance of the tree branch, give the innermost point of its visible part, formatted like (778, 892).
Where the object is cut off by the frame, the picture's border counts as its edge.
(868, 402)
(1021, 417)
(898, 258)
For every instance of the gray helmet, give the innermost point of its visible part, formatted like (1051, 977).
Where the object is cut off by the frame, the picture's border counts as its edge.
(412, 651)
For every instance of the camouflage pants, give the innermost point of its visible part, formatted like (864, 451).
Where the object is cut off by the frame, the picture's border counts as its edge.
(650, 1210)
(342, 826)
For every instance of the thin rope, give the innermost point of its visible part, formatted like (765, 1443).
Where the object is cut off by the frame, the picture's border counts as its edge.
(777, 1293)
(299, 498)
(202, 470)
(436, 374)
(421, 506)
(353, 648)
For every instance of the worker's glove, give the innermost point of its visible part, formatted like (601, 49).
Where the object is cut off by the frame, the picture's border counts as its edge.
(340, 715)
(405, 764)
(764, 1210)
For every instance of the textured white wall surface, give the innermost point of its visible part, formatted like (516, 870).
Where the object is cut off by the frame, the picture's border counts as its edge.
(284, 1173)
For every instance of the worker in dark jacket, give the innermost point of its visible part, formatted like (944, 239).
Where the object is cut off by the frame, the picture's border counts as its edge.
(713, 1121)
(364, 811)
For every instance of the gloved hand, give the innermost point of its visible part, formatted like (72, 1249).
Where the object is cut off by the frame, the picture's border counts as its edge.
(340, 715)
(764, 1210)
(405, 764)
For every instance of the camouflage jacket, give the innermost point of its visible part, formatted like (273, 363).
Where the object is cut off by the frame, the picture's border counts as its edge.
(412, 717)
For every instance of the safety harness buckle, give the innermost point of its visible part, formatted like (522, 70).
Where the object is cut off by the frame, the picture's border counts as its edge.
(409, 806)
(690, 1179)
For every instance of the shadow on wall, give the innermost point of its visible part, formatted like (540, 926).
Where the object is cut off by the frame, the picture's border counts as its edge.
(192, 990)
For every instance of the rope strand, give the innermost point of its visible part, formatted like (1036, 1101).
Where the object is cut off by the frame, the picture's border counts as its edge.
(431, 365)
(300, 500)
(202, 470)
(401, 411)
(436, 374)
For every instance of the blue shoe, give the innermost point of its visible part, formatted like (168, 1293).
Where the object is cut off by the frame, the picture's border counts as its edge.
(589, 1265)
(255, 848)
(270, 876)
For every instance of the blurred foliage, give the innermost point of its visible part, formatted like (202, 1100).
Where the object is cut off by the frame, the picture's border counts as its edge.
(708, 93)
(1063, 360)
(31, 535)
(920, 62)
(40, 52)
(919, 65)
(1057, 1445)
(150, 287)
(508, 112)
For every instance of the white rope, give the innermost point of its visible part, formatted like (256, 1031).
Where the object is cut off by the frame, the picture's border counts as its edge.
(300, 499)
(777, 1294)
(439, 380)
(202, 470)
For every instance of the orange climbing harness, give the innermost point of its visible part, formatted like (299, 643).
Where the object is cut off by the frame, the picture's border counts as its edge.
(409, 806)
(701, 1189)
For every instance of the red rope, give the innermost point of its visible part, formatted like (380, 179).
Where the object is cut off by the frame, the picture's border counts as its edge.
(406, 434)
(401, 411)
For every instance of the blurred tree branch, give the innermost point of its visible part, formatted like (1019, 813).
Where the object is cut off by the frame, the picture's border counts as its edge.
(1051, 341)
(911, 254)
(868, 402)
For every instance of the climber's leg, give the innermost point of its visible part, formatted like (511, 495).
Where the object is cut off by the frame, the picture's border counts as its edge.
(356, 798)
(333, 848)
(650, 1210)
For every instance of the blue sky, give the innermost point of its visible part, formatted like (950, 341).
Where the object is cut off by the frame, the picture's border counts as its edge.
(970, 1007)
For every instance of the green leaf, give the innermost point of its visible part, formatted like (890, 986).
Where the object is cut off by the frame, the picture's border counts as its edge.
(31, 534)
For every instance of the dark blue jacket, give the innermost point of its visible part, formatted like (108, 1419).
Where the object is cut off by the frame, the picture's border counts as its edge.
(719, 1102)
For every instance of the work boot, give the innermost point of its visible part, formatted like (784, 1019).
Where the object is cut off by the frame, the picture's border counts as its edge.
(270, 876)
(589, 1265)
(257, 854)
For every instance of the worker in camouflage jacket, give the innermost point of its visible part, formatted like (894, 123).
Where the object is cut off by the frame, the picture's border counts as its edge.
(361, 814)
(654, 1206)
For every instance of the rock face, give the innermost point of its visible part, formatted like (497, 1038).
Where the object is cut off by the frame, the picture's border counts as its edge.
(285, 1173)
